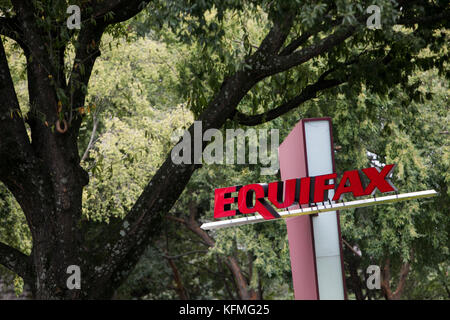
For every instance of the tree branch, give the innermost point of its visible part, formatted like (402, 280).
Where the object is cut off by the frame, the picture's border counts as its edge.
(122, 10)
(180, 289)
(385, 279)
(276, 36)
(88, 49)
(13, 136)
(32, 37)
(16, 261)
(10, 28)
(283, 63)
(18, 164)
(309, 92)
(195, 228)
(358, 254)
(297, 42)
(232, 263)
(404, 271)
(177, 256)
(300, 40)
(91, 140)
(85, 56)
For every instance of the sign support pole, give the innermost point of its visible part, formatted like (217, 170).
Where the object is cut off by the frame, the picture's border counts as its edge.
(315, 241)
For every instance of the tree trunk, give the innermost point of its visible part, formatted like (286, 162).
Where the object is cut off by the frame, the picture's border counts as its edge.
(386, 277)
(355, 279)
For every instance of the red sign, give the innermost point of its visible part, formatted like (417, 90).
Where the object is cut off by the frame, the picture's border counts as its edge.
(252, 198)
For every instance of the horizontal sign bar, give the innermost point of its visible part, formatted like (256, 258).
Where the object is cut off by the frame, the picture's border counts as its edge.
(321, 208)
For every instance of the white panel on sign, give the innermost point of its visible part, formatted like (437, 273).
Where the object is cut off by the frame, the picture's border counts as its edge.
(330, 285)
(325, 227)
(318, 147)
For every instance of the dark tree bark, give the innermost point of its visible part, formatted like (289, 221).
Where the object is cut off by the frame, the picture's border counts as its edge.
(355, 280)
(44, 174)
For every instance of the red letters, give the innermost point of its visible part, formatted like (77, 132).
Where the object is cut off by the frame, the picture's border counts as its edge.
(355, 186)
(222, 202)
(320, 187)
(305, 189)
(276, 193)
(261, 206)
(378, 179)
(252, 198)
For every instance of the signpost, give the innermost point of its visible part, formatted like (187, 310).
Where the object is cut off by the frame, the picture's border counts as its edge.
(314, 142)
(309, 197)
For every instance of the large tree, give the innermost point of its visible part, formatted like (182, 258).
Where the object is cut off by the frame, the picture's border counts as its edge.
(39, 155)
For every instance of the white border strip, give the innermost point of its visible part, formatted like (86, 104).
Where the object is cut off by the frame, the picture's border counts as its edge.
(320, 208)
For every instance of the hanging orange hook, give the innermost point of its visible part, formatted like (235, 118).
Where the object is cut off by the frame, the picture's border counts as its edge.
(58, 126)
